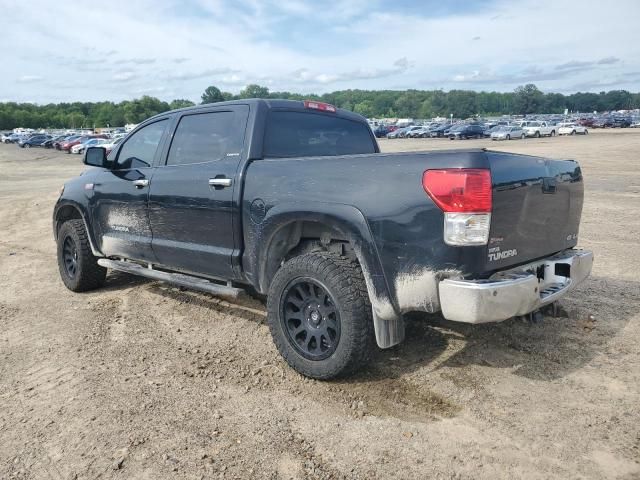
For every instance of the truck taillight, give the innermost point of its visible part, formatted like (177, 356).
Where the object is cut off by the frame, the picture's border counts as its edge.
(325, 107)
(464, 195)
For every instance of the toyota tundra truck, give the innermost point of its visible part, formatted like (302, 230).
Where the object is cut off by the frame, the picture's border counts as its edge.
(293, 200)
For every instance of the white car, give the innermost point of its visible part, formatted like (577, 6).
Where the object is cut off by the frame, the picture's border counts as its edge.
(539, 129)
(572, 129)
(92, 142)
(508, 132)
(110, 144)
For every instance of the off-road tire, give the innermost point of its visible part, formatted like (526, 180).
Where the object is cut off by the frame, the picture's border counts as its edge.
(344, 281)
(89, 275)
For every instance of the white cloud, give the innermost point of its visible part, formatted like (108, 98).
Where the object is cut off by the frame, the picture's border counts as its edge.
(124, 76)
(29, 78)
(119, 48)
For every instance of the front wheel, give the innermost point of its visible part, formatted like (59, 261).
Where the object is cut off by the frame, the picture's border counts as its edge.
(586, 132)
(319, 315)
(553, 133)
(522, 136)
(573, 132)
(508, 137)
(78, 266)
(537, 134)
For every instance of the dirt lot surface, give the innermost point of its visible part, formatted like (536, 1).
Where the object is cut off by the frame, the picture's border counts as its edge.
(142, 380)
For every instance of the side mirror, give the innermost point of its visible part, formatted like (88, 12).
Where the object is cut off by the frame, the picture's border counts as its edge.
(96, 157)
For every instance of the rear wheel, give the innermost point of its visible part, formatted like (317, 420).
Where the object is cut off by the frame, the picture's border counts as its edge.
(522, 136)
(573, 132)
(78, 266)
(319, 315)
(553, 133)
(508, 137)
(538, 134)
(586, 132)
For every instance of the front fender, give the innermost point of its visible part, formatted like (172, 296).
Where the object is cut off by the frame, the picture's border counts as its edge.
(60, 213)
(352, 225)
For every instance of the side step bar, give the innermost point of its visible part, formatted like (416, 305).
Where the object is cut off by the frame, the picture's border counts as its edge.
(180, 279)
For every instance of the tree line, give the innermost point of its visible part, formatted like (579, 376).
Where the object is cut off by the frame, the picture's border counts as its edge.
(370, 103)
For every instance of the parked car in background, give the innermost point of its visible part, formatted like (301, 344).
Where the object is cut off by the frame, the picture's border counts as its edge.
(381, 131)
(621, 122)
(462, 132)
(508, 132)
(33, 141)
(398, 133)
(572, 129)
(49, 143)
(636, 123)
(15, 137)
(92, 142)
(488, 130)
(420, 132)
(603, 122)
(539, 129)
(69, 143)
(69, 138)
(440, 130)
(410, 129)
(5, 137)
(111, 144)
(586, 122)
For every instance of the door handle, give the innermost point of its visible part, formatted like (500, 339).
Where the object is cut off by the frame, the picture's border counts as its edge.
(220, 182)
(143, 182)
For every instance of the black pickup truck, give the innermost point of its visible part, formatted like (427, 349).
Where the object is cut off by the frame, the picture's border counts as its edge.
(294, 200)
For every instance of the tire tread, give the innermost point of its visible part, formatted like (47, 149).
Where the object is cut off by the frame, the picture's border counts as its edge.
(345, 276)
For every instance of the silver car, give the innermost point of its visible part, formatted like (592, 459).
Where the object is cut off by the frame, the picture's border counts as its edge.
(420, 132)
(508, 132)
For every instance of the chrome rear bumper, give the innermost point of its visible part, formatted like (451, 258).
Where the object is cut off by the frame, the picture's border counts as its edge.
(515, 292)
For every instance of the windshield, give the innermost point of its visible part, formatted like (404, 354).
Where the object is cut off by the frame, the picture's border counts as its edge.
(303, 134)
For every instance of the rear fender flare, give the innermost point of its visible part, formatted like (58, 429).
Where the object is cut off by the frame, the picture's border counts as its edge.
(352, 225)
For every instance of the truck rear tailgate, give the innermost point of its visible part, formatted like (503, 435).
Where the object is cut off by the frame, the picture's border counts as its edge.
(537, 205)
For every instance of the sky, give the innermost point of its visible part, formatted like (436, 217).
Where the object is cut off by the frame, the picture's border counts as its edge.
(118, 50)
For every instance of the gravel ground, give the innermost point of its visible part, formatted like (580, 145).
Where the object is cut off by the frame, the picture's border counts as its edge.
(143, 380)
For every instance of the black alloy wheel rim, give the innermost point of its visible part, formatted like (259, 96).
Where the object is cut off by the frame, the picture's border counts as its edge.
(70, 257)
(310, 318)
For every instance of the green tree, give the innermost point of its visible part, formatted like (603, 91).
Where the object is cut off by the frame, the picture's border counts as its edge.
(212, 95)
(181, 103)
(528, 99)
(254, 91)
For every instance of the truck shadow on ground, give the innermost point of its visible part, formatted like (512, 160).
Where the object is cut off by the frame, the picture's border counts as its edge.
(548, 350)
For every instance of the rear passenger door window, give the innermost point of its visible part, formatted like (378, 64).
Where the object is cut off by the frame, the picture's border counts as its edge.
(206, 137)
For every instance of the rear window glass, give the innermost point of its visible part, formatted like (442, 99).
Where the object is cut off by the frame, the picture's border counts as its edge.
(302, 134)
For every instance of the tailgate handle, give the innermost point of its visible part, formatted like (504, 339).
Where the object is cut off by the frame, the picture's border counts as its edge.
(548, 185)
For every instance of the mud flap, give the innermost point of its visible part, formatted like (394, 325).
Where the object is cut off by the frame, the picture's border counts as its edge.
(388, 332)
